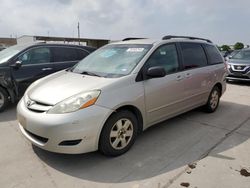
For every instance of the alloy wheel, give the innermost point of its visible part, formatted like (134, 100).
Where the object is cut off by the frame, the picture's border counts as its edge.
(214, 100)
(121, 134)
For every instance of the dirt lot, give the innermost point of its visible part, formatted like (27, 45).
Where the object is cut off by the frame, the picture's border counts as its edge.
(194, 149)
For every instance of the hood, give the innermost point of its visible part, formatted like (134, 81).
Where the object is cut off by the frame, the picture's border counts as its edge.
(4, 64)
(62, 85)
(239, 62)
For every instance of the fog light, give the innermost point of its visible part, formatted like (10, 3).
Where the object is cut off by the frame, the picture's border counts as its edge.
(70, 142)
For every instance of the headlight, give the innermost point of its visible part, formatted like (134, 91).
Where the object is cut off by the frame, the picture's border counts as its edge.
(76, 102)
(228, 66)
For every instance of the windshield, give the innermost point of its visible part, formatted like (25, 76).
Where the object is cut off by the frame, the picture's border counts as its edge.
(242, 55)
(7, 53)
(113, 60)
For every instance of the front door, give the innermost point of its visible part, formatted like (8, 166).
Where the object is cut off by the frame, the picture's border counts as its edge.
(164, 96)
(35, 64)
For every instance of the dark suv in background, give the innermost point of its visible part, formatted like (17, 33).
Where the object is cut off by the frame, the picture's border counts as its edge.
(20, 65)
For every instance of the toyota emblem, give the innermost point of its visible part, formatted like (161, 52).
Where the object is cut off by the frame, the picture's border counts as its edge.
(30, 102)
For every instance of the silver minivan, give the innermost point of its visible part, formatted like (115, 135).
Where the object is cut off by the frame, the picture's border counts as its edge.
(123, 88)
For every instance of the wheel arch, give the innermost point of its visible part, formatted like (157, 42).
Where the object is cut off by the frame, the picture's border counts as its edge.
(136, 112)
(219, 85)
(10, 93)
(126, 107)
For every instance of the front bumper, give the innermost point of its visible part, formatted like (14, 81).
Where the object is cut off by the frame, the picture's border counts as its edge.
(240, 75)
(238, 78)
(49, 131)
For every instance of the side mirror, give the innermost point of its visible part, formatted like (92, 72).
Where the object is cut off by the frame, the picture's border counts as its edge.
(226, 58)
(156, 72)
(17, 64)
(230, 57)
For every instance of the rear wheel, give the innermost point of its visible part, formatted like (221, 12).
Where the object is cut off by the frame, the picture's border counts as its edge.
(118, 134)
(3, 99)
(213, 100)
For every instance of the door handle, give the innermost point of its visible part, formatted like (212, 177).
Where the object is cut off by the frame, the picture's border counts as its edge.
(179, 77)
(188, 75)
(46, 69)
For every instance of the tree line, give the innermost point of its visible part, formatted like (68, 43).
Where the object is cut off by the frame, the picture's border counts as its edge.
(237, 46)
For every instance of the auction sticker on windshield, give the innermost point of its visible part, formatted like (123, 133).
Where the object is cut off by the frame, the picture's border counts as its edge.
(135, 50)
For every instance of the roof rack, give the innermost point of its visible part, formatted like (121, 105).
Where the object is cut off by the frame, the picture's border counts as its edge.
(133, 38)
(186, 37)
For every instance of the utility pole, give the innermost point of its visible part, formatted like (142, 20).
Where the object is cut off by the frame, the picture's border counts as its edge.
(78, 29)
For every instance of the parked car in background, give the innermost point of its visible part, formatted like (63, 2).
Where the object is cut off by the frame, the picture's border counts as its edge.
(233, 53)
(118, 91)
(238, 66)
(20, 65)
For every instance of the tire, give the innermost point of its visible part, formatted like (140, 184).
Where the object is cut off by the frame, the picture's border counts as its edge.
(213, 100)
(118, 134)
(3, 99)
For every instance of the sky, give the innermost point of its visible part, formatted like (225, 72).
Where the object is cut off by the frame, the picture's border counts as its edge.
(222, 21)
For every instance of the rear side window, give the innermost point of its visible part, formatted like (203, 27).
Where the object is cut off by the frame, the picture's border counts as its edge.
(213, 54)
(81, 54)
(193, 55)
(65, 54)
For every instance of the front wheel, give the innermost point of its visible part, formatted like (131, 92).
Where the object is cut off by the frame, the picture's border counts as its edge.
(3, 99)
(118, 134)
(213, 100)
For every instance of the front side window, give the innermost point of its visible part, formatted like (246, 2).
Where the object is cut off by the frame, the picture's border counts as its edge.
(113, 60)
(193, 55)
(166, 57)
(35, 56)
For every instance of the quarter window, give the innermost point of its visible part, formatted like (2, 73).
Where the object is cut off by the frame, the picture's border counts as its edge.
(193, 55)
(36, 56)
(213, 54)
(81, 54)
(165, 56)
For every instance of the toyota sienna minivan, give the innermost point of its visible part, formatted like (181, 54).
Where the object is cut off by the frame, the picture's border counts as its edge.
(115, 93)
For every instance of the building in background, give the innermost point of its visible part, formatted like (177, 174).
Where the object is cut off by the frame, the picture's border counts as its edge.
(97, 43)
(6, 42)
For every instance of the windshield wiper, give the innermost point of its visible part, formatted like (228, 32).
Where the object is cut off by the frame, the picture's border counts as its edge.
(90, 73)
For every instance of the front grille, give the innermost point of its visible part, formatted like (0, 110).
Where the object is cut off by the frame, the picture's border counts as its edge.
(239, 67)
(37, 111)
(38, 107)
(237, 71)
(36, 137)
